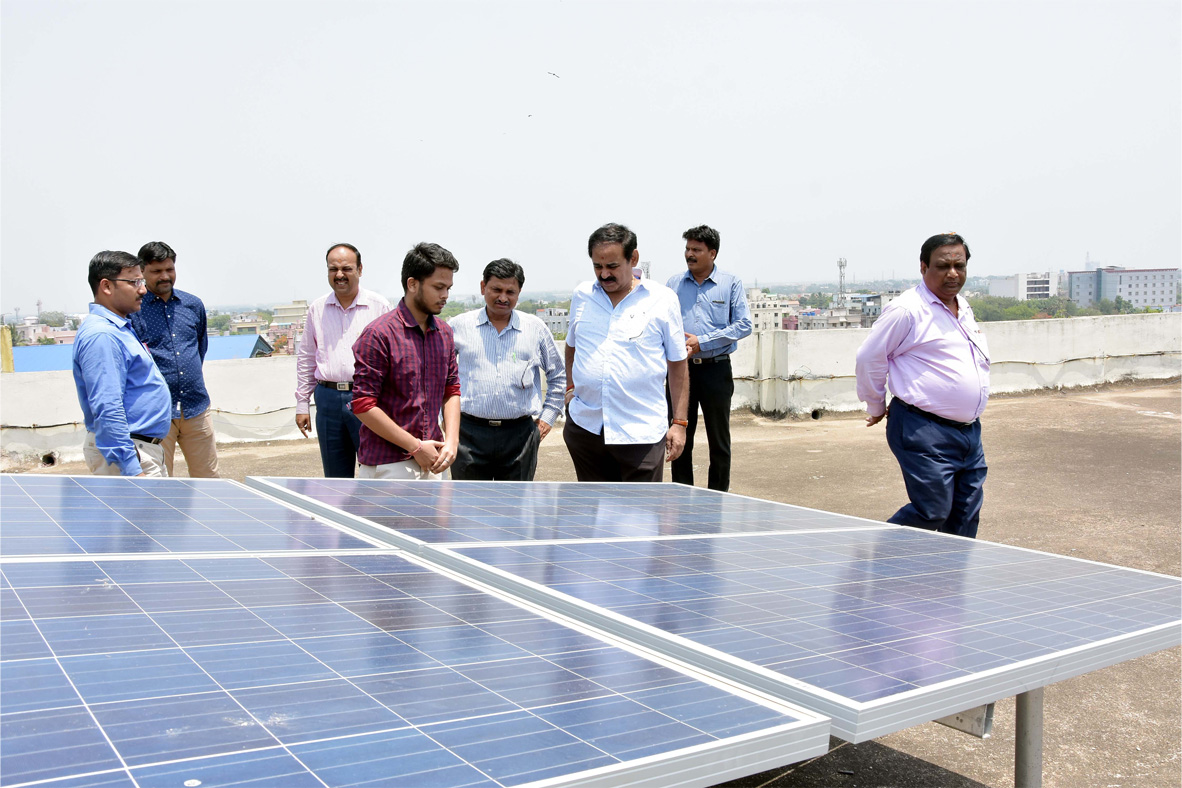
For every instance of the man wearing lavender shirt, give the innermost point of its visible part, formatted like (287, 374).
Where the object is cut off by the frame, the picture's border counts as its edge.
(927, 347)
(324, 362)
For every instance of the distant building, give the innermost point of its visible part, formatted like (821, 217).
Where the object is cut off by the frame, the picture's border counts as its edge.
(770, 310)
(557, 320)
(247, 323)
(1026, 287)
(1141, 287)
(289, 316)
(837, 317)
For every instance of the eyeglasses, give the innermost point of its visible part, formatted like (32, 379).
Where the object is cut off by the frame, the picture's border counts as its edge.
(137, 283)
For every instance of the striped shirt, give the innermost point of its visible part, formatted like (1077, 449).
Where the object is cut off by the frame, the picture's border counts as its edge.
(501, 371)
(405, 373)
(326, 349)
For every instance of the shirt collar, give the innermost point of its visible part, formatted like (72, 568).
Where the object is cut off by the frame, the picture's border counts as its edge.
(709, 276)
(152, 298)
(598, 288)
(357, 299)
(107, 314)
(514, 320)
(408, 319)
(927, 295)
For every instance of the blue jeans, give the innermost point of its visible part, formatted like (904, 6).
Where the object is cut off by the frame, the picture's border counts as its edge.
(943, 468)
(338, 431)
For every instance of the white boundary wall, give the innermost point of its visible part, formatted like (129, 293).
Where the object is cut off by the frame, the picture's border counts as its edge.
(780, 372)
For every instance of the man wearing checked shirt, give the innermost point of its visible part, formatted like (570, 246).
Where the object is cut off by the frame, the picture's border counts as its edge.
(501, 352)
(172, 324)
(715, 315)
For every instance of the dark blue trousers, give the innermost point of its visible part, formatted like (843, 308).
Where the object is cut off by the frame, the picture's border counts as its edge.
(943, 468)
(338, 431)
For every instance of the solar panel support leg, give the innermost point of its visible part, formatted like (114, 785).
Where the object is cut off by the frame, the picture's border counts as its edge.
(1028, 740)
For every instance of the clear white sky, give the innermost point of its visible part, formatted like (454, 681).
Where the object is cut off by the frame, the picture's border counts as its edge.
(251, 135)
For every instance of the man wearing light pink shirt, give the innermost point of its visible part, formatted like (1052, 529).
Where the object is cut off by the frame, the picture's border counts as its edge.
(926, 346)
(324, 362)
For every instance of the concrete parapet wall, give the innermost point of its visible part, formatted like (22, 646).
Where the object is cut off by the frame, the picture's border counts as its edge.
(776, 372)
(797, 372)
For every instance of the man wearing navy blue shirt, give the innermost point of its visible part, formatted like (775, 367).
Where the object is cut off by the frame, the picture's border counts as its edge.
(172, 324)
(715, 315)
(124, 399)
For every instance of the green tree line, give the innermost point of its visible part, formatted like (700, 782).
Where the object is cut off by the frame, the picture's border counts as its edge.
(994, 308)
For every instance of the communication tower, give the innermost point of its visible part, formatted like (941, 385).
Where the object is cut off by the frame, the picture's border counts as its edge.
(840, 280)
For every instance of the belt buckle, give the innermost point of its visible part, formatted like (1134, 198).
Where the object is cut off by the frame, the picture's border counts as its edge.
(696, 360)
(343, 386)
(494, 422)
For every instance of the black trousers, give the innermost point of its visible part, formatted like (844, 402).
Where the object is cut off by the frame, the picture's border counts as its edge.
(711, 386)
(508, 452)
(596, 461)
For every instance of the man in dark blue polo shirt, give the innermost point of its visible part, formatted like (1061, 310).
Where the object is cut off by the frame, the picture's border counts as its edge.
(172, 324)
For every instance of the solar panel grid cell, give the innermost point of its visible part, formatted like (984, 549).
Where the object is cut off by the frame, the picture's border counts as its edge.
(350, 666)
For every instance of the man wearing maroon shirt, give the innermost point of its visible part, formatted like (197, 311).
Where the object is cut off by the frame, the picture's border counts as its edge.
(405, 374)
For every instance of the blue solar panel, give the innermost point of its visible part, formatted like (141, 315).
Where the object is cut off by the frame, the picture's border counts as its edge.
(66, 515)
(880, 624)
(337, 669)
(476, 512)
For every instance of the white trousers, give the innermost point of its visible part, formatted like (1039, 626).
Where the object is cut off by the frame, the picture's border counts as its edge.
(151, 458)
(408, 470)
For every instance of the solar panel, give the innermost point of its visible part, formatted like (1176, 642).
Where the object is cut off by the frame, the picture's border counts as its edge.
(92, 515)
(336, 667)
(877, 626)
(483, 512)
(879, 629)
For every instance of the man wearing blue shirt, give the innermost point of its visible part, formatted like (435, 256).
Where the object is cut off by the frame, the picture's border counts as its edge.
(125, 402)
(502, 355)
(172, 324)
(625, 338)
(715, 314)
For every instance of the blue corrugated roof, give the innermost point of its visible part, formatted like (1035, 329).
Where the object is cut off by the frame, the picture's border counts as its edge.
(47, 358)
(42, 358)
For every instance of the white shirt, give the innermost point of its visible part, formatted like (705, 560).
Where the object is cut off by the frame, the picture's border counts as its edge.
(621, 360)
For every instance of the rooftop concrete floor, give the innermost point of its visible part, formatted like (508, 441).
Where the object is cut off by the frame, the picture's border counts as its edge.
(1092, 473)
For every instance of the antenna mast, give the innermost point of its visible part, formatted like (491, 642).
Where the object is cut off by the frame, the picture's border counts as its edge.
(840, 280)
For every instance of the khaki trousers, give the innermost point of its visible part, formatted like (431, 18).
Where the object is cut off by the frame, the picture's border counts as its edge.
(151, 458)
(196, 439)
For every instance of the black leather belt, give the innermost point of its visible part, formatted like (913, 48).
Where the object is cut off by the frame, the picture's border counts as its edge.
(711, 360)
(938, 419)
(328, 384)
(135, 436)
(496, 422)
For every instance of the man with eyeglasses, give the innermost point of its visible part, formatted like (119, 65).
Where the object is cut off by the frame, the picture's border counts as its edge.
(324, 361)
(126, 405)
(173, 325)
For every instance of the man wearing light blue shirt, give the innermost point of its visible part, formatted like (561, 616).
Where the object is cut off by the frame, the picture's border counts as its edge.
(502, 354)
(714, 311)
(126, 405)
(625, 337)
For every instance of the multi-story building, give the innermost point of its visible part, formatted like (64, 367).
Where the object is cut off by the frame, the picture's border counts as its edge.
(1026, 287)
(1141, 287)
(557, 320)
(289, 316)
(769, 310)
(837, 317)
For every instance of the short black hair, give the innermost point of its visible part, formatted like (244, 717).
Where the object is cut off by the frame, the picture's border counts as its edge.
(156, 252)
(421, 261)
(613, 234)
(108, 265)
(350, 247)
(504, 269)
(943, 239)
(703, 234)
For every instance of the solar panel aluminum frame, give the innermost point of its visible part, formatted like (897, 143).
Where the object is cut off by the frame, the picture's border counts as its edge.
(853, 721)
